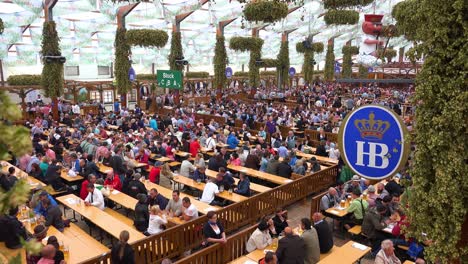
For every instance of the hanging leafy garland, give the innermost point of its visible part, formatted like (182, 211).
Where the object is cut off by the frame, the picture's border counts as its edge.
(348, 52)
(341, 17)
(147, 37)
(268, 73)
(2, 26)
(283, 61)
(254, 45)
(52, 73)
(438, 198)
(333, 4)
(241, 74)
(308, 65)
(267, 11)
(329, 63)
(386, 55)
(269, 63)
(315, 47)
(197, 75)
(176, 52)
(220, 62)
(24, 79)
(122, 62)
(146, 77)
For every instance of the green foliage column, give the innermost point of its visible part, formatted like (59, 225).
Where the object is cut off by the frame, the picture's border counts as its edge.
(348, 52)
(122, 62)
(329, 70)
(308, 66)
(439, 196)
(176, 52)
(220, 61)
(52, 73)
(283, 62)
(254, 70)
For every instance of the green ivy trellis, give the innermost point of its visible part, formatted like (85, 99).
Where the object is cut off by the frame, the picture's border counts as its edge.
(220, 62)
(267, 11)
(329, 70)
(176, 52)
(348, 52)
(254, 45)
(308, 65)
(52, 73)
(122, 62)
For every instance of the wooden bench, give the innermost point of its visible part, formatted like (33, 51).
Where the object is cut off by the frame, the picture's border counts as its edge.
(355, 230)
(174, 164)
(323, 255)
(78, 233)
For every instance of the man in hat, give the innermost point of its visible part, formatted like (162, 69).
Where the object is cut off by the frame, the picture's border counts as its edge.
(40, 209)
(353, 185)
(40, 232)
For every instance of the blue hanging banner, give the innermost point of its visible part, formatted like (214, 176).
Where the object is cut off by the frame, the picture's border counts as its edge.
(228, 72)
(372, 142)
(292, 71)
(131, 74)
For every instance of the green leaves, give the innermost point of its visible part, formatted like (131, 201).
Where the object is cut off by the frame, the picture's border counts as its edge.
(52, 73)
(269, 63)
(254, 45)
(333, 4)
(437, 204)
(329, 71)
(176, 52)
(197, 74)
(348, 52)
(220, 62)
(2, 26)
(341, 17)
(267, 11)
(24, 79)
(308, 65)
(122, 61)
(147, 37)
(283, 62)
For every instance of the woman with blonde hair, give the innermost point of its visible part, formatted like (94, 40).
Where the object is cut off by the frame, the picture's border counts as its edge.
(122, 252)
(166, 171)
(157, 220)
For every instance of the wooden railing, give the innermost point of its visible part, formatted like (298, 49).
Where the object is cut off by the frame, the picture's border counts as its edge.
(177, 240)
(219, 253)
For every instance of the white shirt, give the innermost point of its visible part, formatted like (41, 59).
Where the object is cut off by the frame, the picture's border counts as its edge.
(155, 222)
(76, 109)
(258, 240)
(211, 143)
(96, 199)
(191, 211)
(185, 168)
(209, 192)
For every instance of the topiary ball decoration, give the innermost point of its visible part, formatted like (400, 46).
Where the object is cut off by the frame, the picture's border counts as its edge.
(267, 11)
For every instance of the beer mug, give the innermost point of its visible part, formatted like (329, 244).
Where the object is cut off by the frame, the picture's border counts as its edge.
(342, 203)
(230, 191)
(66, 252)
(364, 196)
(198, 181)
(221, 188)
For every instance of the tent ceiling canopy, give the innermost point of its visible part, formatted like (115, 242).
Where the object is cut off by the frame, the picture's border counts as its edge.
(87, 29)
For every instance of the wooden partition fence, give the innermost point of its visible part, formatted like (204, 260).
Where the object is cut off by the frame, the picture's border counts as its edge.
(219, 253)
(314, 135)
(176, 240)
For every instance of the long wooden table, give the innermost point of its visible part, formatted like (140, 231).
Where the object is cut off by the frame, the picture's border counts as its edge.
(64, 175)
(201, 206)
(260, 174)
(7, 254)
(129, 202)
(233, 197)
(33, 182)
(80, 248)
(319, 158)
(103, 168)
(102, 219)
(346, 254)
(253, 186)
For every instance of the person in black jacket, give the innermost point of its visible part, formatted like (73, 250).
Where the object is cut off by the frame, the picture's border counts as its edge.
(217, 162)
(291, 248)
(90, 167)
(321, 151)
(324, 233)
(135, 186)
(213, 231)
(122, 252)
(12, 229)
(284, 169)
(52, 177)
(54, 215)
(141, 214)
(393, 187)
(280, 220)
(5, 184)
(116, 161)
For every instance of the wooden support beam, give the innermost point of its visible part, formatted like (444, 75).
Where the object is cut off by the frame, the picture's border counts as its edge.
(222, 25)
(122, 12)
(256, 30)
(285, 34)
(182, 17)
(48, 6)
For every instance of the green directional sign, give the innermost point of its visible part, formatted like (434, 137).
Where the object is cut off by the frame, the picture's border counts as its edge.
(169, 79)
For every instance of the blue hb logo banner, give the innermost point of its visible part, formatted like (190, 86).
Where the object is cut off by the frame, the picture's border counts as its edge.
(372, 142)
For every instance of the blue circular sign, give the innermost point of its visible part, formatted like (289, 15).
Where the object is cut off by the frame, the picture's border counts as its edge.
(372, 142)
(292, 71)
(228, 72)
(131, 74)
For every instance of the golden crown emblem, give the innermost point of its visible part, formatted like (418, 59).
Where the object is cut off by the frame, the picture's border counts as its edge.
(370, 128)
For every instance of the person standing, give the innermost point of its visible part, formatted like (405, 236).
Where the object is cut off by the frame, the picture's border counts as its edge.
(311, 241)
(141, 213)
(213, 231)
(122, 252)
(324, 233)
